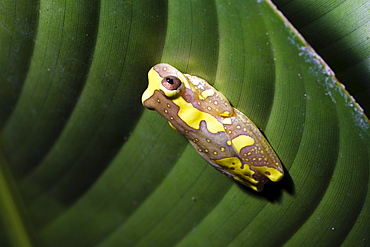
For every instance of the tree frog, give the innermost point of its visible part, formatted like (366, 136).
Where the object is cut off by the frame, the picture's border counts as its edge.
(220, 133)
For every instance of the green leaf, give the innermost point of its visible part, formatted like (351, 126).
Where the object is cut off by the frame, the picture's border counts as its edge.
(82, 163)
(338, 31)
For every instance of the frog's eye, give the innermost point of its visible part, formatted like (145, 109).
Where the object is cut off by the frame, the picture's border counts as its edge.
(171, 83)
(171, 86)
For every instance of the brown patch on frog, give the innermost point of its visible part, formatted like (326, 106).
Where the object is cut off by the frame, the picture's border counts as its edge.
(165, 70)
(211, 142)
(189, 96)
(165, 107)
(155, 100)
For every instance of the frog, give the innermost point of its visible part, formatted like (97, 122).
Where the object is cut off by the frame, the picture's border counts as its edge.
(222, 135)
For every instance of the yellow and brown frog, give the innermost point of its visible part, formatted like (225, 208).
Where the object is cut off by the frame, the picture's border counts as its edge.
(220, 133)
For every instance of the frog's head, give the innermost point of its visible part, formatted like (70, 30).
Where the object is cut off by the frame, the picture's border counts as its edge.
(165, 79)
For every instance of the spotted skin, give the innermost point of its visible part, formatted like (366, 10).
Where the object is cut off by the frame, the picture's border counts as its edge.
(221, 134)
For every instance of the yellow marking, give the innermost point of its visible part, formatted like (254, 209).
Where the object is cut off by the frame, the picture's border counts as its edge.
(206, 150)
(229, 162)
(171, 118)
(208, 140)
(222, 149)
(168, 105)
(225, 114)
(235, 165)
(207, 93)
(242, 141)
(251, 183)
(192, 116)
(215, 153)
(186, 82)
(158, 100)
(226, 121)
(154, 84)
(173, 127)
(165, 111)
(199, 150)
(215, 102)
(245, 129)
(229, 143)
(209, 108)
(274, 174)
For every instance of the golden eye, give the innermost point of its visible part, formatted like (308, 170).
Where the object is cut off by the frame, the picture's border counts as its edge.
(171, 83)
